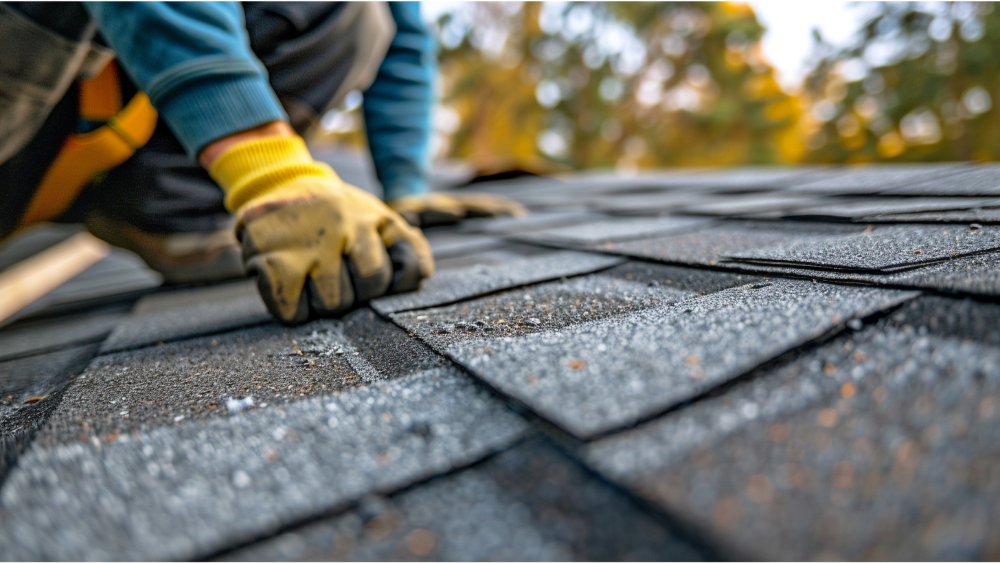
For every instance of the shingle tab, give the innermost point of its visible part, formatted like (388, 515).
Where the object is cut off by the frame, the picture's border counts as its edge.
(980, 180)
(610, 230)
(711, 245)
(881, 249)
(185, 313)
(861, 209)
(454, 285)
(877, 179)
(446, 243)
(193, 380)
(978, 274)
(606, 375)
(38, 336)
(30, 388)
(984, 216)
(189, 490)
(848, 451)
(749, 204)
(529, 503)
(630, 287)
(40, 375)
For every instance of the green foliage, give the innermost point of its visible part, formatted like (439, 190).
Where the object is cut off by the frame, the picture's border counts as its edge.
(917, 85)
(611, 84)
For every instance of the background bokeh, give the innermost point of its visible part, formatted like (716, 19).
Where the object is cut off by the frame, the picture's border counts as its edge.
(561, 85)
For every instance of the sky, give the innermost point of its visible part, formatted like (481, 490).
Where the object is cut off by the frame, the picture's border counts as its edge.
(789, 23)
(788, 39)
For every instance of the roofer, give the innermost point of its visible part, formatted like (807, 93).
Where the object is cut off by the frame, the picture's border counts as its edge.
(128, 118)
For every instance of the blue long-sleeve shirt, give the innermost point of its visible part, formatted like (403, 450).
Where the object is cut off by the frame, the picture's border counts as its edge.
(397, 106)
(193, 60)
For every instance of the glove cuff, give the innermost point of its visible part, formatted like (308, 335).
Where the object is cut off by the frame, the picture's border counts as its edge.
(258, 167)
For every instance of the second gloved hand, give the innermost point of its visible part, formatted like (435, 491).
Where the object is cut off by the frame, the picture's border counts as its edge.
(428, 210)
(316, 244)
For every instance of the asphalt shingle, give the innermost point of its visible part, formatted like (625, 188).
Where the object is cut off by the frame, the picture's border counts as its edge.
(37, 336)
(185, 313)
(974, 181)
(609, 374)
(529, 503)
(630, 287)
(709, 246)
(879, 249)
(195, 488)
(610, 230)
(878, 179)
(454, 285)
(196, 379)
(30, 389)
(860, 209)
(850, 450)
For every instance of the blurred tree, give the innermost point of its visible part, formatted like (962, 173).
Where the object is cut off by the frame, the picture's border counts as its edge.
(917, 85)
(611, 84)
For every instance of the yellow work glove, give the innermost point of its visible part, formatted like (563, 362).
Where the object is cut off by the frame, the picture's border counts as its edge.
(428, 210)
(316, 244)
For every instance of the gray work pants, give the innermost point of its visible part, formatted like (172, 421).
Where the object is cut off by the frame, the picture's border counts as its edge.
(314, 52)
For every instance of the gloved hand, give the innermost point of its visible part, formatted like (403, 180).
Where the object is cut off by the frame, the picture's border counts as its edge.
(428, 210)
(316, 244)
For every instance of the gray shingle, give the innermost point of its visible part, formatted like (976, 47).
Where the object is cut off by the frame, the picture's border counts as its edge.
(40, 375)
(48, 334)
(749, 204)
(193, 379)
(173, 315)
(630, 287)
(454, 285)
(189, 490)
(881, 249)
(980, 180)
(609, 374)
(448, 242)
(984, 216)
(756, 178)
(610, 230)
(30, 389)
(530, 222)
(978, 274)
(878, 178)
(657, 203)
(526, 504)
(711, 245)
(851, 450)
(861, 209)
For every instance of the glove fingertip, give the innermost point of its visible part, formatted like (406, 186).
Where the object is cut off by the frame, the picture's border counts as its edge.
(269, 294)
(406, 267)
(326, 310)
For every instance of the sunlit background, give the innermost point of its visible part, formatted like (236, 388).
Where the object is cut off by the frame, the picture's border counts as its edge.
(555, 86)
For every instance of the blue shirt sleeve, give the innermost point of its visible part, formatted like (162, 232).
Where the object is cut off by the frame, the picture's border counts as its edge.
(193, 60)
(397, 106)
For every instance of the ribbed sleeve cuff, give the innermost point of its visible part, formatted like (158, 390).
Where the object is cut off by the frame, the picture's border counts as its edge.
(254, 168)
(214, 107)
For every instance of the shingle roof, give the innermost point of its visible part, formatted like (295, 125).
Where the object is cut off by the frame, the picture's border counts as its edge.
(760, 363)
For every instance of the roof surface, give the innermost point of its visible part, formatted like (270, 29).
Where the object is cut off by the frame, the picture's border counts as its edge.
(694, 364)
